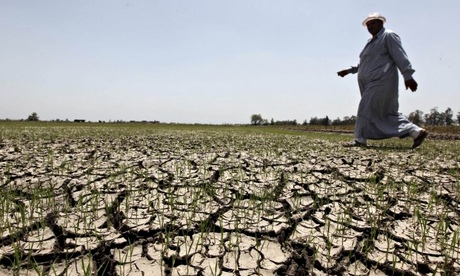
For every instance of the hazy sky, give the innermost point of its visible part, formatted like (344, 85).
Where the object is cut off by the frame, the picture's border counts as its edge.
(219, 61)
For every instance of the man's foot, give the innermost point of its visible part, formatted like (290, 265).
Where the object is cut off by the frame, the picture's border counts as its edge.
(354, 144)
(419, 140)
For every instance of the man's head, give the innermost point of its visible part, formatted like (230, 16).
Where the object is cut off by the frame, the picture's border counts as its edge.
(374, 22)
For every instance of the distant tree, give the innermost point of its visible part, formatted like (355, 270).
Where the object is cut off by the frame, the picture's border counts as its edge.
(434, 118)
(320, 121)
(416, 117)
(272, 122)
(442, 119)
(314, 121)
(448, 115)
(286, 122)
(458, 118)
(336, 122)
(33, 117)
(349, 120)
(256, 119)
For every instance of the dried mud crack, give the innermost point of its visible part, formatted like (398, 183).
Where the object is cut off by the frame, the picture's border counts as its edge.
(223, 203)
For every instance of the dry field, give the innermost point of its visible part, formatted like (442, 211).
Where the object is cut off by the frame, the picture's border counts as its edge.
(94, 199)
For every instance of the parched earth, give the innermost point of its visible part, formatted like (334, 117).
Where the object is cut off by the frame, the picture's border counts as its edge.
(434, 135)
(225, 203)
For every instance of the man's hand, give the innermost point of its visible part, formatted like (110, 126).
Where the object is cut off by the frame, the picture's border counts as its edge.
(412, 84)
(343, 73)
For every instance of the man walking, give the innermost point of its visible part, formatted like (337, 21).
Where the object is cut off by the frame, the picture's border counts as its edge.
(378, 111)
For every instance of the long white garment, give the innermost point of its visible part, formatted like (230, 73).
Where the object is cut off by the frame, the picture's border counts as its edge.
(378, 111)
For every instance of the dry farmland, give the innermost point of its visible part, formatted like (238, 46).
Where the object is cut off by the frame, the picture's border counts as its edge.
(101, 199)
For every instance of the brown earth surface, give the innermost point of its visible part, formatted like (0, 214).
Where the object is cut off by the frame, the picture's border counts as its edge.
(207, 203)
(434, 133)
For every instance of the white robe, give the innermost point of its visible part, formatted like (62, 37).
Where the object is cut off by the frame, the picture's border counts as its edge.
(378, 111)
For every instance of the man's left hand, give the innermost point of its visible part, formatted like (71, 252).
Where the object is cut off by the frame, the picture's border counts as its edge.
(412, 84)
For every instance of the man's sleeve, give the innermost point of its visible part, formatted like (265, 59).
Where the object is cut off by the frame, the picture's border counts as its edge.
(394, 46)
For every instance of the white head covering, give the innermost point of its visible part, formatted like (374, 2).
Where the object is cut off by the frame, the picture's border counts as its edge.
(373, 16)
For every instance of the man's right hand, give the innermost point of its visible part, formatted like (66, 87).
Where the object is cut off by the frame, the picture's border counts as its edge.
(412, 84)
(343, 73)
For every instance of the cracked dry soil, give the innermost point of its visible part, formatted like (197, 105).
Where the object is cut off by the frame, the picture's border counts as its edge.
(224, 203)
